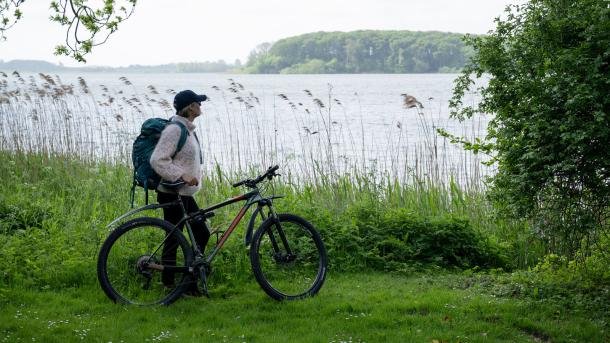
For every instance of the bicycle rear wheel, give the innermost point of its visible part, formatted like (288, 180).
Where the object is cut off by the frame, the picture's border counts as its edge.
(288, 258)
(137, 264)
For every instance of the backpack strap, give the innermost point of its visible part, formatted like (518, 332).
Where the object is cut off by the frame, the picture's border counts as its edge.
(182, 140)
(183, 135)
(199, 146)
(133, 188)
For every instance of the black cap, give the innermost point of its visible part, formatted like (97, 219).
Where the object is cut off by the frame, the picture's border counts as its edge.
(187, 97)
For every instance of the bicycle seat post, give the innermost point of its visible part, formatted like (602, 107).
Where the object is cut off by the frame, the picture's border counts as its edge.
(181, 203)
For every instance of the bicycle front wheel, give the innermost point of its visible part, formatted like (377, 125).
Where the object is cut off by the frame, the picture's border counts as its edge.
(144, 262)
(288, 258)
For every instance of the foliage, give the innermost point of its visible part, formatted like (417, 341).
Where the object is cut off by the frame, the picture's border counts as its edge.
(9, 15)
(313, 66)
(361, 52)
(372, 235)
(548, 64)
(87, 25)
(554, 280)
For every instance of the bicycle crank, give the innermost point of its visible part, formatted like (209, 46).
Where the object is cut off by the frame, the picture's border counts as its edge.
(203, 269)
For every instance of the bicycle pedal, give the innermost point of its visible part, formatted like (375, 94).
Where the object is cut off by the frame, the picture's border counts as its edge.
(205, 292)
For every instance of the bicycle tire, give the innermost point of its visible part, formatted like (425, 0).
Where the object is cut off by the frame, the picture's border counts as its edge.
(121, 269)
(285, 276)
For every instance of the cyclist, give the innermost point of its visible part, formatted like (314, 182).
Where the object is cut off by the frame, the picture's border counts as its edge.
(185, 165)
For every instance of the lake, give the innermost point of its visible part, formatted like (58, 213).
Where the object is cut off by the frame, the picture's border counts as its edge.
(310, 124)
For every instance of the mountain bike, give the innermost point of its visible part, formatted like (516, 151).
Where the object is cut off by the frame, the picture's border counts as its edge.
(287, 255)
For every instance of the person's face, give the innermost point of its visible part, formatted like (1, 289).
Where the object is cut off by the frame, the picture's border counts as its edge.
(196, 109)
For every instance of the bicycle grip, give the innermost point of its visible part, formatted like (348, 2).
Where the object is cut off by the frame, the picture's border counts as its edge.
(237, 184)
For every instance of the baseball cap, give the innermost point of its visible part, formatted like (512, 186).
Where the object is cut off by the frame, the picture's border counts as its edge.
(187, 97)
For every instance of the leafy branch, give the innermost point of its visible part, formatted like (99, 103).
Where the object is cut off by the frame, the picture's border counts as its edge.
(476, 146)
(86, 25)
(9, 15)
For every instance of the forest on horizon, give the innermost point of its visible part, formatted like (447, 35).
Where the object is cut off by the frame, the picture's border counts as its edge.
(361, 52)
(314, 53)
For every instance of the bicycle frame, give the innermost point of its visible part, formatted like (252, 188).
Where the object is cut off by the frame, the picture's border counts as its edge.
(251, 198)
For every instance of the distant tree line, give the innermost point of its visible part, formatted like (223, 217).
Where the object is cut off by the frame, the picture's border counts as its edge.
(219, 66)
(361, 52)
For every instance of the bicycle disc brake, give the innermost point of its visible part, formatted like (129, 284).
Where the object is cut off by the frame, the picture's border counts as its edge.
(284, 258)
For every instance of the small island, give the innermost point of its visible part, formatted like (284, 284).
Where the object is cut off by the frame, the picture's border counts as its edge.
(356, 52)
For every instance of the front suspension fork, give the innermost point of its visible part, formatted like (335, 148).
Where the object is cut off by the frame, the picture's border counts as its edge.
(280, 232)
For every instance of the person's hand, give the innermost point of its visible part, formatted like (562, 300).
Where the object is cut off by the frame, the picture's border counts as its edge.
(191, 181)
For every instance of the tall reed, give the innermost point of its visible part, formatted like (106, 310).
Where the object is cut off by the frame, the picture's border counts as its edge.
(320, 142)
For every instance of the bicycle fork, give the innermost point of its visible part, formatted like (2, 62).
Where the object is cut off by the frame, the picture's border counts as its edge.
(277, 252)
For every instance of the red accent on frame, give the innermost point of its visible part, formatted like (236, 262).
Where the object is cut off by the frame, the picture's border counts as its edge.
(232, 227)
(239, 197)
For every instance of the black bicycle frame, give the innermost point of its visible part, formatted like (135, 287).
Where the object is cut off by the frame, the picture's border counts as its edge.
(251, 198)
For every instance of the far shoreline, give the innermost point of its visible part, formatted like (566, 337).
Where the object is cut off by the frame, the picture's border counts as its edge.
(39, 66)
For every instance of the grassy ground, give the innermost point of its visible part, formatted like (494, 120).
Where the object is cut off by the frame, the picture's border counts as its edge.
(371, 307)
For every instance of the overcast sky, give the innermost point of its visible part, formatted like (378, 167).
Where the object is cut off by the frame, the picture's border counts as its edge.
(166, 31)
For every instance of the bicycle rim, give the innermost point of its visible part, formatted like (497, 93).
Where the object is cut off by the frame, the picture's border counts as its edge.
(128, 273)
(292, 274)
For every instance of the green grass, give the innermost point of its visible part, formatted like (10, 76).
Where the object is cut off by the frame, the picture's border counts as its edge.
(368, 307)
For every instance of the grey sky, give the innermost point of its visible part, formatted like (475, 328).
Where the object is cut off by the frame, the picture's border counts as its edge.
(165, 31)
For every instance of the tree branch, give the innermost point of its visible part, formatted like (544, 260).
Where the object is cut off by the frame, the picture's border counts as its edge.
(86, 25)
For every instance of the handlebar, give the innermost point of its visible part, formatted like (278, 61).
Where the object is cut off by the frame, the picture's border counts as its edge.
(251, 183)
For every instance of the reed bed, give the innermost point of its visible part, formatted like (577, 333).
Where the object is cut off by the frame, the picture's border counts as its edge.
(316, 141)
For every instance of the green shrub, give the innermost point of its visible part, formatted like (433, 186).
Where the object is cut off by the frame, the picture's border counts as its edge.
(370, 235)
(548, 67)
(583, 285)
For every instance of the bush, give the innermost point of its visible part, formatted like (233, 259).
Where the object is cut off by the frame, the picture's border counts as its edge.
(373, 236)
(584, 286)
(549, 66)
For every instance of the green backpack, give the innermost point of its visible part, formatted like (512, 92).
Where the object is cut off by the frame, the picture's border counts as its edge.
(143, 147)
